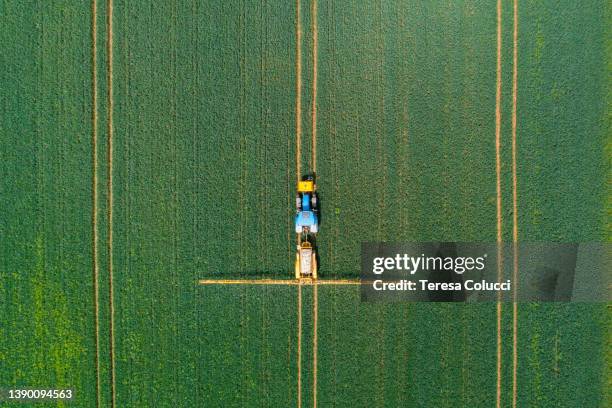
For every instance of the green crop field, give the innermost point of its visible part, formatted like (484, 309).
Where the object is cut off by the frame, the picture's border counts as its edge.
(146, 145)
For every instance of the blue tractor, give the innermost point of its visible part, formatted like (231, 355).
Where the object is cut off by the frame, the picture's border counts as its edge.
(306, 226)
(306, 219)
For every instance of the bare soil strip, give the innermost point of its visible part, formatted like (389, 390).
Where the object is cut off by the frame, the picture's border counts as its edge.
(299, 348)
(298, 91)
(338, 282)
(499, 195)
(248, 282)
(315, 344)
(514, 203)
(315, 40)
(288, 282)
(298, 164)
(94, 198)
(315, 309)
(109, 43)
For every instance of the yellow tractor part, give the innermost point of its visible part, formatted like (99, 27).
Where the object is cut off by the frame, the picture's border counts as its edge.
(305, 186)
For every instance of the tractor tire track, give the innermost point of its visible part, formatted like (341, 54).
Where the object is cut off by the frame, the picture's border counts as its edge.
(315, 345)
(242, 147)
(94, 198)
(514, 204)
(298, 90)
(298, 157)
(382, 230)
(498, 97)
(299, 348)
(109, 50)
(315, 306)
(176, 351)
(315, 46)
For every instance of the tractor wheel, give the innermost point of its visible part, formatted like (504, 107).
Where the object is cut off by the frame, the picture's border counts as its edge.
(314, 201)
